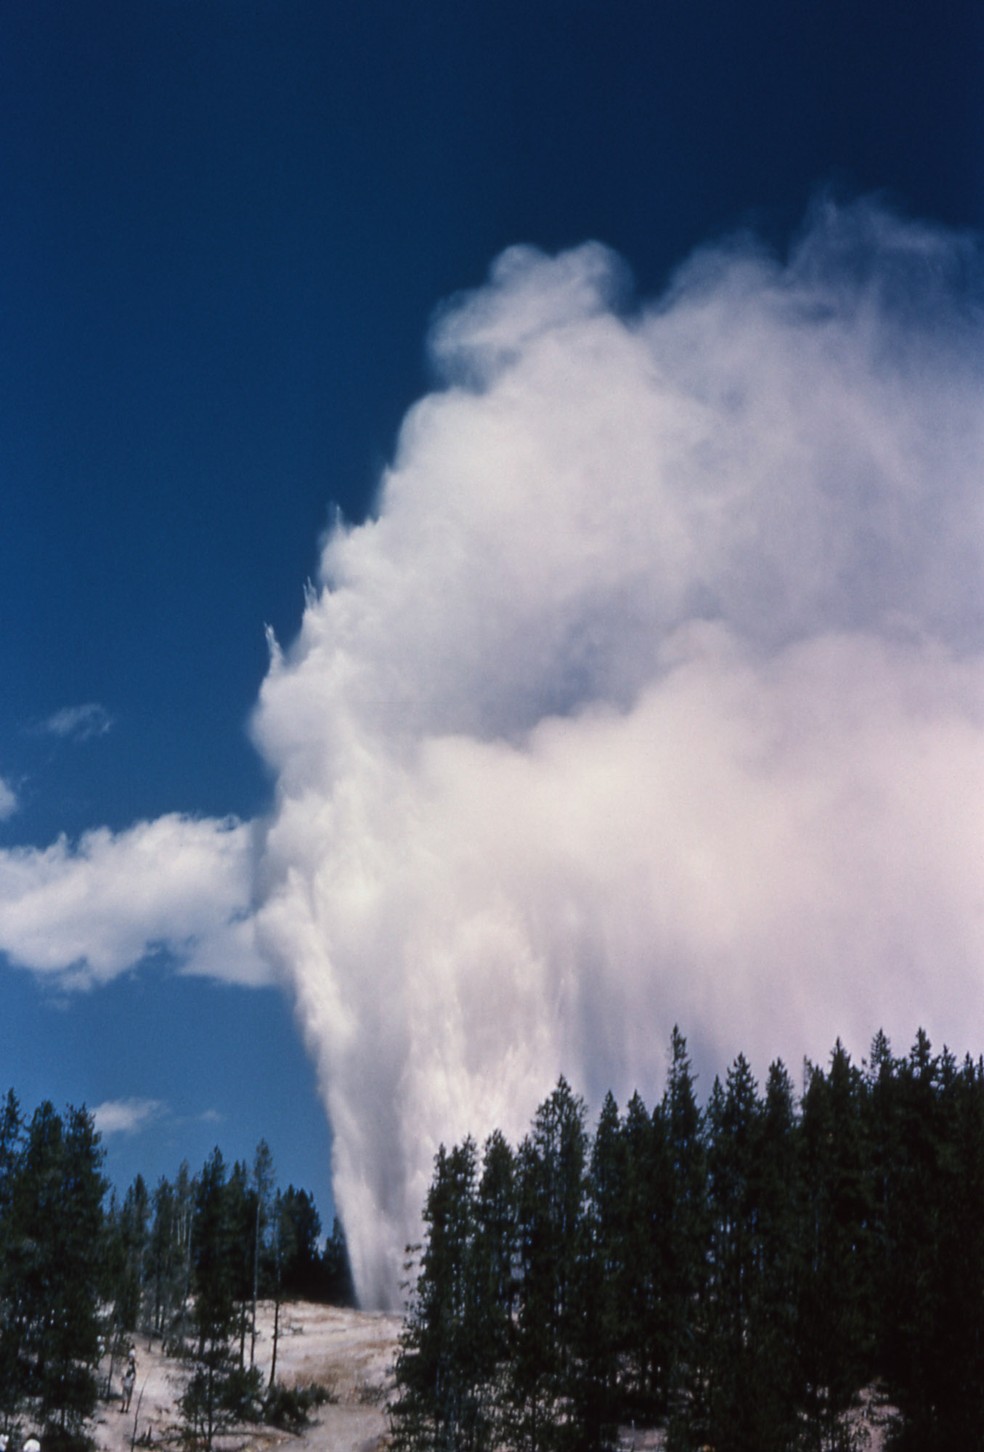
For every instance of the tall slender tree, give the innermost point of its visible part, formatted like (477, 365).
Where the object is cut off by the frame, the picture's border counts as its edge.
(440, 1364)
(688, 1233)
(55, 1270)
(264, 1181)
(11, 1149)
(218, 1392)
(552, 1187)
(835, 1333)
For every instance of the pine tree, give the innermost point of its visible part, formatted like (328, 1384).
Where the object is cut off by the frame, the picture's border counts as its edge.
(219, 1392)
(687, 1242)
(301, 1258)
(746, 1370)
(726, 1364)
(605, 1329)
(551, 1177)
(779, 1201)
(494, 1274)
(242, 1212)
(440, 1363)
(264, 1182)
(54, 1270)
(836, 1336)
(338, 1287)
(648, 1259)
(933, 1286)
(11, 1378)
(132, 1233)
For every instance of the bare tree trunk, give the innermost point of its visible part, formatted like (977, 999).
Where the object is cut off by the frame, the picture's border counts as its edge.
(276, 1336)
(256, 1281)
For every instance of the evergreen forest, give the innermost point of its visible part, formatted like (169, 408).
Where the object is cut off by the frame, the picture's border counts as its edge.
(82, 1271)
(738, 1274)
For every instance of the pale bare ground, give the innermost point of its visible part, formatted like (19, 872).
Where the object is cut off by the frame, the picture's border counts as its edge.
(349, 1352)
(352, 1354)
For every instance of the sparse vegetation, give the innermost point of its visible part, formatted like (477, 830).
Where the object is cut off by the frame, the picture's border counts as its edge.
(81, 1275)
(290, 1407)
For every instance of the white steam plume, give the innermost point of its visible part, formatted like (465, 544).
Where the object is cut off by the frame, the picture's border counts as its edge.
(654, 694)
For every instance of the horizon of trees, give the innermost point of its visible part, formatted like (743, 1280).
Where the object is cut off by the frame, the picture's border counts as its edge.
(82, 1271)
(737, 1273)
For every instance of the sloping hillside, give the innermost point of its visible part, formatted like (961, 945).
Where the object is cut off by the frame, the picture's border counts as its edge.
(349, 1352)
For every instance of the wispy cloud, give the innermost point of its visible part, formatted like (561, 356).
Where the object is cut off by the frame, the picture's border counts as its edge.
(8, 800)
(126, 1116)
(83, 913)
(78, 723)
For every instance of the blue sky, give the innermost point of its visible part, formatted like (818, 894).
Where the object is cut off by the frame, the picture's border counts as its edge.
(225, 230)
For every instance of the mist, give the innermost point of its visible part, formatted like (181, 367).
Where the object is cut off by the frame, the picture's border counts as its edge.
(651, 693)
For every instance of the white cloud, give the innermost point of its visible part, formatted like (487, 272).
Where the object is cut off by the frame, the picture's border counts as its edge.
(8, 800)
(84, 913)
(79, 723)
(126, 1116)
(654, 693)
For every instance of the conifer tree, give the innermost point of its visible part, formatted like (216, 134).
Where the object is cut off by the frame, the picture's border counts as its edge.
(779, 1208)
(301, 1259)
(688, 1231)
(440, 1363)
(606, 1330)
(54, 1268)
(132, 1231)
(726, 1364)
(551, 1179)
(11, 1147)
(263, 1185)
(241, 1210)
(746, 1365)
(494, 1254)
(835, 1335)
(219, 1392)
(338, 1287)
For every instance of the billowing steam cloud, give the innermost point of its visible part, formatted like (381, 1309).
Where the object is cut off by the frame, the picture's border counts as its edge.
(653, 693)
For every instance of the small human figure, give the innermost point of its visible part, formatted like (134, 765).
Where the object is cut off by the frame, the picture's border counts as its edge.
(129, 1377)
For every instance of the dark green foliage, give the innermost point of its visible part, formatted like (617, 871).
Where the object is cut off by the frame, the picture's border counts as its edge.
(186, 1263)
(127, 1250)
(738, 1274)
(743, 1389)
(335, 1284)
(168, 1257)
(301, 1268)
(289, 1407)
(52, 1269)
(687, 1237)
(835, 1320)
(212, 1398)
(442, 1403)
(551, 1243)
(11, 1143)
(930, 1124)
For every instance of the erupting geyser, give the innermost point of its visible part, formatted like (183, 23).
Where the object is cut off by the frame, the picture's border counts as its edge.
(654, 692)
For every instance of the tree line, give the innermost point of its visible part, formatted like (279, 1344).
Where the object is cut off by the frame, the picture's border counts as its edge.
(736, 1273)
(82, 1270)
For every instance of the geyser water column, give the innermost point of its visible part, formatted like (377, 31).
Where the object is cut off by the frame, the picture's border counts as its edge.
(652, 693)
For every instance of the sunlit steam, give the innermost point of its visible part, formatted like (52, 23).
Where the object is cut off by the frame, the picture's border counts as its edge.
(653, 693)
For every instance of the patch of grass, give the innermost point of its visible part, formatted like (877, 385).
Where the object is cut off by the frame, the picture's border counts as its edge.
(289, 1408)
(370, 1394)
